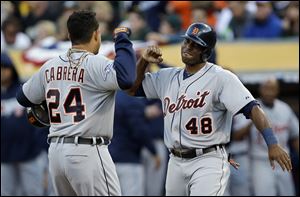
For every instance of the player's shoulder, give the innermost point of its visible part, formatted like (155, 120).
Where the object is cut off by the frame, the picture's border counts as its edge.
(223, 72)
(98, 57)
(55, 61)
(282, 105)
(172, 70)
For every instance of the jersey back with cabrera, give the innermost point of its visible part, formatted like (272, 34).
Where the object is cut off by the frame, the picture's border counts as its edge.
(79, 88)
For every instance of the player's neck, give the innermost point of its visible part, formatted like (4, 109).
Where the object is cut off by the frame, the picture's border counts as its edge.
(192, 69)
(83, 47)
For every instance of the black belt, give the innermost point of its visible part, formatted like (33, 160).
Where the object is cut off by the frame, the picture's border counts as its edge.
(80, 140)
(188, 154)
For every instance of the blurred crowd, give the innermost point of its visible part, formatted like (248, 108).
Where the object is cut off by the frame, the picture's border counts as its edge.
(24, 24)
(27, 23)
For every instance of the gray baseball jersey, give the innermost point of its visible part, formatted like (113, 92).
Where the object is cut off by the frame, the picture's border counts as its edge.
(198, 110)
(241, 146)
(67, 89)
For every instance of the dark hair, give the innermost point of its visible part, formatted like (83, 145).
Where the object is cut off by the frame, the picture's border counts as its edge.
(12, 20)
(81, 26)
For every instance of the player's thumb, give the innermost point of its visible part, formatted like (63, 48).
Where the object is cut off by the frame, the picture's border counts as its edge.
(272, 164)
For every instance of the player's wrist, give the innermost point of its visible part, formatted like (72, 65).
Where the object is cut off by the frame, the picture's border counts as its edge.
(144, 60)
(269, 137)
(121, 31)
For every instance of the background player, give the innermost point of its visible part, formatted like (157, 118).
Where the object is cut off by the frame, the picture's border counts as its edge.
(239, 181)
(80, 88)
(286, 128)
(131, 134)
(199, 103)
(22, 158)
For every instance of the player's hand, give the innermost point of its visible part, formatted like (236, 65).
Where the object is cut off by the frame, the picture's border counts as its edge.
(152, 55)
(280, 155)
(120, 30)
(152, 111)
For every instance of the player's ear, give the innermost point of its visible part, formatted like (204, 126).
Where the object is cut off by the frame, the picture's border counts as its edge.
(96, 35)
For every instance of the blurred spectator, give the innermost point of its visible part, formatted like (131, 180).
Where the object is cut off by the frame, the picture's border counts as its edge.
(103, 10)
(11, 35)
(199, 15)
(265, 24)
(7, 9)
(62, 30)
(131, 134)
(183, 9)
(152, 11)
(209, 7)
(169, 31)
(42, 10)
(85, 5)
(291, 20)
(22, 160)
(137, 24)
(233, 20)
(104, 15)
(44, 32)
(279, 7)
(106, 34)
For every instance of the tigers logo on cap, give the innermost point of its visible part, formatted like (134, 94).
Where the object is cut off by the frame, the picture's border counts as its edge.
(195, 31)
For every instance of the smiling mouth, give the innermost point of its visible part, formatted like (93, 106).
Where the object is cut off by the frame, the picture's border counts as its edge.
(187, 54)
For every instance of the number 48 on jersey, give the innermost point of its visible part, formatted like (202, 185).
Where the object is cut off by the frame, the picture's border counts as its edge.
(205, 126)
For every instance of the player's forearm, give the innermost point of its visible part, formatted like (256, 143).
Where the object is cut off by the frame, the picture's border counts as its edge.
(125, 61)
(262, 124)
(259, 118)
(140, 72)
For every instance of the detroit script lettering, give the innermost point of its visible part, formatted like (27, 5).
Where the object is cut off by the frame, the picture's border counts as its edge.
(184, 103)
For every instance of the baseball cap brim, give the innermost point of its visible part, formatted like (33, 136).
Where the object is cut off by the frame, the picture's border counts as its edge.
(197, 40)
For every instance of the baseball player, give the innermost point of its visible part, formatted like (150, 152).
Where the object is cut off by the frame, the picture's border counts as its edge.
(239, 180)
(79, 88)
(199, 102)
(286, 128)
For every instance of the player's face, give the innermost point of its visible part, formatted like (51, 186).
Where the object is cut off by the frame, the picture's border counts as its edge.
(191, 52)
(269, 91)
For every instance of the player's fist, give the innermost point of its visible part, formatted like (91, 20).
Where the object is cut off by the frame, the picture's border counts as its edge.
(119, 30)
(152, 55)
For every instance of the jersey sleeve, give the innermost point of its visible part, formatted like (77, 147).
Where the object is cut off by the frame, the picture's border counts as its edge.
(155, 84)
(151, 85)
(34, 89)
(102, 73)
(233, 94)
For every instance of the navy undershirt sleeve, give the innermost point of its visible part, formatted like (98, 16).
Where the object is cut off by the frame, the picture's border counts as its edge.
(246, 110)
(125, 61)
(22, 99)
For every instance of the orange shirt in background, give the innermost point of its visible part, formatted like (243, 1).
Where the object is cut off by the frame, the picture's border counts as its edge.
(184, 10)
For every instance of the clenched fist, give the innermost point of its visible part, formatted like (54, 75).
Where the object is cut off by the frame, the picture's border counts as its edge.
(152, 55)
